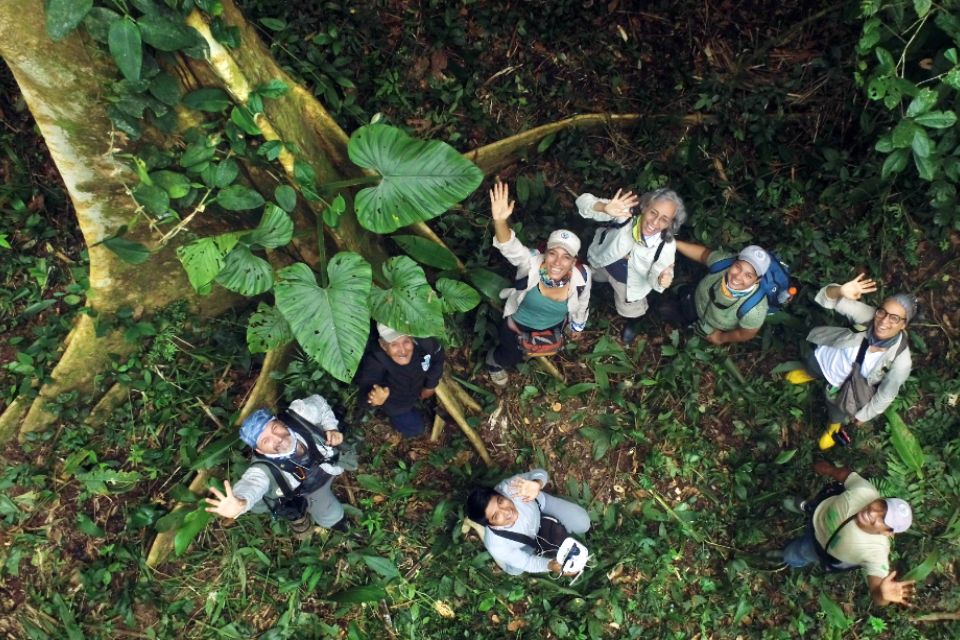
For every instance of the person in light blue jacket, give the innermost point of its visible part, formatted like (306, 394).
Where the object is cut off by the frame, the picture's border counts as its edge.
(515, 506)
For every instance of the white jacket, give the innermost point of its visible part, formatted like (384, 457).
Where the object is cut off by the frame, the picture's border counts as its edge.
(528, 261)
(610, 245)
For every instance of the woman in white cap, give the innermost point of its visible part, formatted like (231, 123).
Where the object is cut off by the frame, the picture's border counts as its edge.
(550, 289)
(721, 300)
(633, 254)
(881, 351)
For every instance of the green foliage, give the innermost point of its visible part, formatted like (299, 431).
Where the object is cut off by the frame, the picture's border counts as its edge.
(419, 179)
(63, 16)
(332, 323)
(409, 305)
(908, 56)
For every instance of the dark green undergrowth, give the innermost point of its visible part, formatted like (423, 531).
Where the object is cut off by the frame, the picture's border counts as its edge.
(681, 452)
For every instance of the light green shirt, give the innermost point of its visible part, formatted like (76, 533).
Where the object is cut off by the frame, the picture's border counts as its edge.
(722, 315)
(853, 545)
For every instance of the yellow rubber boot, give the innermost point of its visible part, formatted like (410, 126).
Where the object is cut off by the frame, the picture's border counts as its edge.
(826, 438)
(799, 376)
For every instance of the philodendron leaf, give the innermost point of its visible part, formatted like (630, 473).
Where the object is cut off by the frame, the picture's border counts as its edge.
(420, 179)
(409, 305)
(203, 259)
(267, 329)
(127, 250)
(426, 252)
(905, 443)
(332, 323)
(238, 197)
(245, 273)
(924, 569)
(457, 296)
(275, 229)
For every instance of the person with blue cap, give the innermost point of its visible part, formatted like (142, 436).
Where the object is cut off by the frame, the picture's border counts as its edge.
(852, 527)
(294, 462)
(864, 366)
(715, 304)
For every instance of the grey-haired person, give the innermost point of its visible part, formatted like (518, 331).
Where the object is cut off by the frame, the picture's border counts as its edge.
(550, 290)
(634, 254)
(853, 529)
(301, 456)
(878, 341)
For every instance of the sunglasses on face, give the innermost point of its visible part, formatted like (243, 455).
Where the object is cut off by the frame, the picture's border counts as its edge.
(882, 313)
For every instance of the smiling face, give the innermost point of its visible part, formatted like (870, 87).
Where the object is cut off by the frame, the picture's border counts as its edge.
(658, 217)
(870, 518)
(400, 350)
(558, 263)
(889, 319)
(276, 438)
(500, 512)
(741, 276)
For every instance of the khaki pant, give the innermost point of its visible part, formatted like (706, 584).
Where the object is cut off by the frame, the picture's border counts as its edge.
(625, 309)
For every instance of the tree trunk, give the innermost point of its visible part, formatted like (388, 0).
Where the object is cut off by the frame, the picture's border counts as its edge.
(62, 83)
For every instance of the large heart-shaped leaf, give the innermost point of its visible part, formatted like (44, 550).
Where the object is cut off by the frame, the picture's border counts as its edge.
(203, 259)
(332, 323)
(165, 34)
(409, 305)
(420, 179)
(457, 296)
(275, 228)
(426, 252)
(245, 273)
(267, 329)
(489, 283)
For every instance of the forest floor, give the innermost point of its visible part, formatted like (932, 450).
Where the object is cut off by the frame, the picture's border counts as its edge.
(681, 452)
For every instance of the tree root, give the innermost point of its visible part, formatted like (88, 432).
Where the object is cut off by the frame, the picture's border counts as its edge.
(447, 398)
(265, 392)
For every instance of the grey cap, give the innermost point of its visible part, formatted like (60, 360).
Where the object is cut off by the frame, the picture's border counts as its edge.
(388, 334)
(757, 257)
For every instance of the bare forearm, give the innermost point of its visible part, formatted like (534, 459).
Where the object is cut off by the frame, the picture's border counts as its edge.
(735, 335)
(502, 230)
(695, 252)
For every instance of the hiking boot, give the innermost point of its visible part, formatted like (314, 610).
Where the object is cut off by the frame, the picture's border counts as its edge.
(302, 528)
(499, 377)
(793, 504)
(342, 525)
(799, 376)
(835, 434)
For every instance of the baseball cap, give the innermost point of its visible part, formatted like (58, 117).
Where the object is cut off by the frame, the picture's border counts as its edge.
(757, 257)
(899, 515)
(566, 240)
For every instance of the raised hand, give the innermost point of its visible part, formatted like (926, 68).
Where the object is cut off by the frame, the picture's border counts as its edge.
(899, 592)
(225, 505)
(526, 490)
(500, 205)
(621, 203)
(857, 287)
(378, 395)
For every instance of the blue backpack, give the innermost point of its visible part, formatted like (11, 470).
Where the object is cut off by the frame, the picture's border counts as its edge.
(774, 285)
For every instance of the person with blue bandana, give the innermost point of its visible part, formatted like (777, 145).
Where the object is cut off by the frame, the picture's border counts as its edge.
(294, 461)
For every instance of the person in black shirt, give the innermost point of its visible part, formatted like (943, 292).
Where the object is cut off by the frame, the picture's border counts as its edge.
(396, 374)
